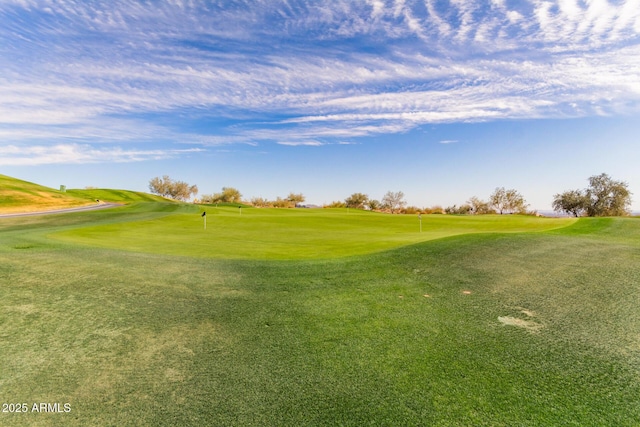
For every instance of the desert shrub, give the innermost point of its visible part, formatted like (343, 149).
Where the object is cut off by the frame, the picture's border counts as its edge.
(336, 204)
(458, 210)
(411, 210)
(436, 209)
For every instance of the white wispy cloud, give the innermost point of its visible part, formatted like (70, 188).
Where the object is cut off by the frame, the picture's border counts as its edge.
(13, 155)
(299, 143)
(78, 72)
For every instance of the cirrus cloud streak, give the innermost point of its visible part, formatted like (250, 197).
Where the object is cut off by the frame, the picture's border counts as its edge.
(300, 73)
(12, 155)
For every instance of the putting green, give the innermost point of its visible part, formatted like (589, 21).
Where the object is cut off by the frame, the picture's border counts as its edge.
(249, 233)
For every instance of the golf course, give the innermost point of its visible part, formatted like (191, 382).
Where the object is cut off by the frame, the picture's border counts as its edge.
(146, 315)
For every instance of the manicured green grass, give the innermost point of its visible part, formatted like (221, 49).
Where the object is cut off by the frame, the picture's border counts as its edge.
(483, 329)
(291, 233)
(116, 196)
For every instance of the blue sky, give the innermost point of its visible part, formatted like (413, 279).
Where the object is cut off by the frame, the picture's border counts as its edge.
(440, 99)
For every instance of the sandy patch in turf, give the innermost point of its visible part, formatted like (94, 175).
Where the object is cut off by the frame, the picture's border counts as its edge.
(527, 312)
(529, 325)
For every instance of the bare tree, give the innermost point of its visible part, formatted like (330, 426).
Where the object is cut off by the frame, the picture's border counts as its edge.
(394, 200)
(177, 190)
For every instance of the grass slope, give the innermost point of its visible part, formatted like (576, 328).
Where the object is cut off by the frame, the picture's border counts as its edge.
(18, 196)
(484, 329)
(291, 233)
(117, 196)
(22, 196)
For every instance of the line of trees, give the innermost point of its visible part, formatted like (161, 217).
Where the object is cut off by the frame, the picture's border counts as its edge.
(291, 201)
(227, 195)
(233, 195)
(501, 201)
(392, 201)
(181, 191)
(603, 197)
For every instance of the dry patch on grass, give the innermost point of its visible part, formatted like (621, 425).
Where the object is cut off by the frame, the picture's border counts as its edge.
(528, 324)
(527, 312)
(15, 201)
(23, 309)
(161, 359)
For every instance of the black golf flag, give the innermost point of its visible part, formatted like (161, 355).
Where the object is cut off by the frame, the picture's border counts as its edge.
(204, 213)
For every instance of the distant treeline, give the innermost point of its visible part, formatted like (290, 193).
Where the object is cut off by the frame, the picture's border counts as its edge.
(603, 197)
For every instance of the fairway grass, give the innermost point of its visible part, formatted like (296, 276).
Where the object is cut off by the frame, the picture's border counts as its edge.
(291, 233)
(482, 329)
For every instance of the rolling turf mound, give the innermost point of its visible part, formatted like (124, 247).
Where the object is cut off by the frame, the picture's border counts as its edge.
(23, 196)
(117, 196)
(286, 234)
(17, 196)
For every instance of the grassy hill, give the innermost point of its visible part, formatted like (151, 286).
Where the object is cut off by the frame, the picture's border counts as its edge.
(18, 196)
(117, 196)
(23, 196)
